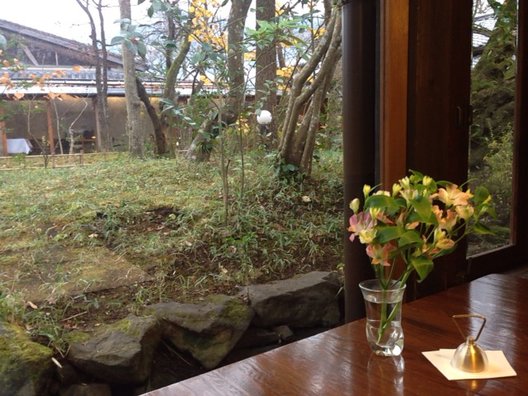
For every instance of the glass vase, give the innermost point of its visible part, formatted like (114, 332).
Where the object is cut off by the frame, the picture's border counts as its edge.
(383, 316)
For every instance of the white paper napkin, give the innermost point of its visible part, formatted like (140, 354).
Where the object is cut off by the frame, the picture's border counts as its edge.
(498, 366)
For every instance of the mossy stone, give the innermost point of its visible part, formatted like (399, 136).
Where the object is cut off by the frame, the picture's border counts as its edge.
(24, 364)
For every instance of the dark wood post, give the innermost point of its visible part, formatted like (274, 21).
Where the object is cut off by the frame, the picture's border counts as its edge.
(359, 131)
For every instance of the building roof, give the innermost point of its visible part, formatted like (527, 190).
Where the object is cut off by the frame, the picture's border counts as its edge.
(68, 65)
(38, 48)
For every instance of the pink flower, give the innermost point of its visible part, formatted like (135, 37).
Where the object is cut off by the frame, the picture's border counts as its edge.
(362, 225)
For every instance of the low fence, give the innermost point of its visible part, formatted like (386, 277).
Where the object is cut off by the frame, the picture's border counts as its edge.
(23, 161)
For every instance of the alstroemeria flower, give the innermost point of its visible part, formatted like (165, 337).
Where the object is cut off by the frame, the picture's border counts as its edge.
(360, 222)
(396, 188)
(354, 205)
(380, 254)
(465, 212)
(441, 241)
(367, 235)
(452, 195)
(446, 219)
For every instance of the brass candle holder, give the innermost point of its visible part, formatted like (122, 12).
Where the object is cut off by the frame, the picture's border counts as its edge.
(469, 356)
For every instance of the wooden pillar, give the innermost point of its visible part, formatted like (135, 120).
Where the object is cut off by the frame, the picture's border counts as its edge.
(51, 128)
(438, 109)
(519, 224)
(359, 131)
(394, 37)
(3, 135)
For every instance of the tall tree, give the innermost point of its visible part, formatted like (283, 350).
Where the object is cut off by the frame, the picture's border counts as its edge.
(493, 77)
(133, 104)
(101, 79)
(306, 96)
(266, 66)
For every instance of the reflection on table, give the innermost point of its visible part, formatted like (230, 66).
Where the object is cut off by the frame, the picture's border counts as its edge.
(339, 361)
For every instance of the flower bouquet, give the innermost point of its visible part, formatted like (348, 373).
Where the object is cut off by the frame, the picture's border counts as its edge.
(419, 220)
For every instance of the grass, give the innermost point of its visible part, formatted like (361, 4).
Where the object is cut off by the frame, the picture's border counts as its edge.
(163, 218)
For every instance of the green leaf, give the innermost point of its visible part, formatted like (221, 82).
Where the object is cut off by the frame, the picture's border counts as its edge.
(410, 237)
(131, 47)
(116, 40)
(480, 195)
(383, 202)
(142, 49)
(481, 229)
(423, 208)
(388, 233)
(422, 265)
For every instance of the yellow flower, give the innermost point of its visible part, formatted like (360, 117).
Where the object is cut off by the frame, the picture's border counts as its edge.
(465, 212)
(354, 205)
(367, 236)
(442, 242)
(427, 180)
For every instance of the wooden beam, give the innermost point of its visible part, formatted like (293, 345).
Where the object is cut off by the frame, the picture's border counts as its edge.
(394, 32)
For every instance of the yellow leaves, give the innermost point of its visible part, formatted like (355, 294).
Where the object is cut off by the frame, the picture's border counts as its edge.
(77, 68)
(285, 72)
(204, 29)
(250, 56)
(5, 79)
(317, 33)
(205, 80)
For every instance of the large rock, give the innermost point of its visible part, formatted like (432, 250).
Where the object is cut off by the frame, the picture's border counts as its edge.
(88, 390)
(119, 353)
(208, 331)
(304, 301)
(25, 366)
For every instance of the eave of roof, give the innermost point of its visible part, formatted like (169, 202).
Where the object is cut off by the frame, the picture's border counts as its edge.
(38, 35)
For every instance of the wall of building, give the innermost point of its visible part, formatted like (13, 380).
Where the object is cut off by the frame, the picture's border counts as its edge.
(28, 119)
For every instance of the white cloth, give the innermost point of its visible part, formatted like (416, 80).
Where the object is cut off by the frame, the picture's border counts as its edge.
(17, 146)
(498, 365)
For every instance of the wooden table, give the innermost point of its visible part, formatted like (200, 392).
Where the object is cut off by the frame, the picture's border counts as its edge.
(339, 362)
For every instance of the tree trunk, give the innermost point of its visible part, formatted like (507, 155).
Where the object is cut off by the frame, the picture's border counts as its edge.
(175, 65)
(105, 129)
(100, 102)
(235, 57)
(266, 70)
(133, 104)
(296, 147)
(159, 136)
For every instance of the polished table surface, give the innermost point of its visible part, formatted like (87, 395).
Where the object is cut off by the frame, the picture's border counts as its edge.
(339, 361)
